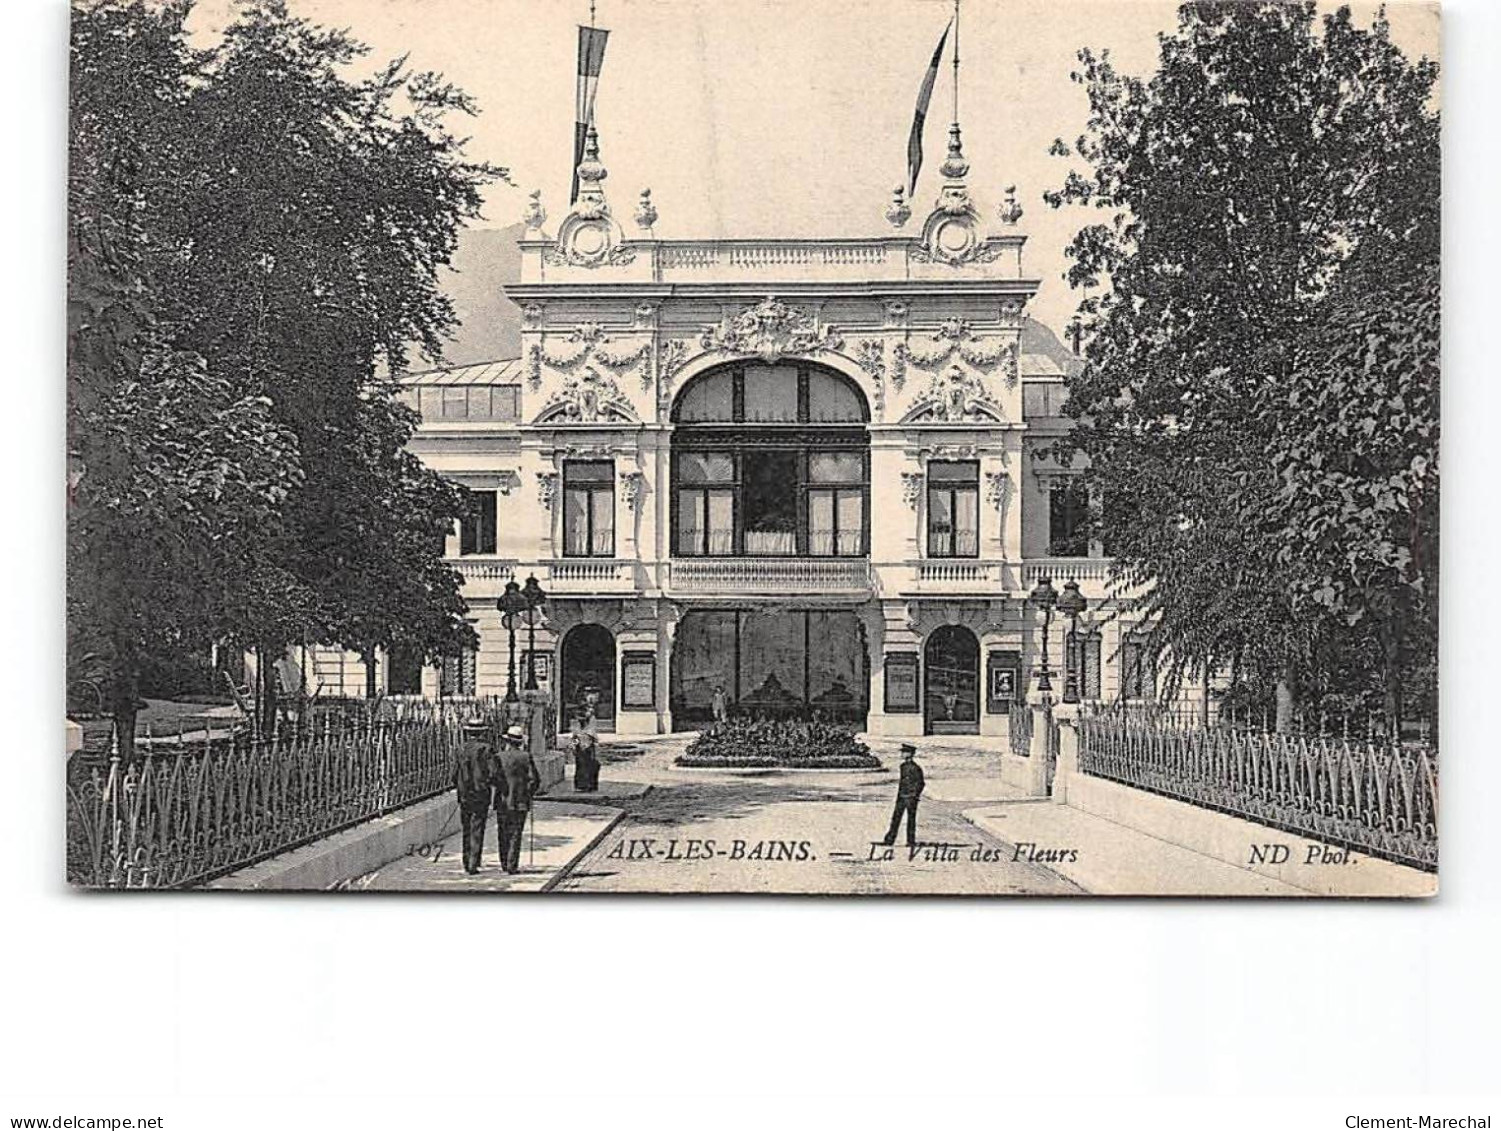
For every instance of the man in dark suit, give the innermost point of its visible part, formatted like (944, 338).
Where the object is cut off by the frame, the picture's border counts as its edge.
(473, 779)
(516, 784)
(908, 789)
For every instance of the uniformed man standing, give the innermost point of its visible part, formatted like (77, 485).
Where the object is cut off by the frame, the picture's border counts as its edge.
(908, 789)
(516, 784)
(473, 779)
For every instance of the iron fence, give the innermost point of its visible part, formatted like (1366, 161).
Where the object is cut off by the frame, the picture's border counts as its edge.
(186, 812)
(1376, 799)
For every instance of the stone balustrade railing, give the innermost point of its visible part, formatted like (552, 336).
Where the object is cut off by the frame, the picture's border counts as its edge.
(770, 576)
(883, 258)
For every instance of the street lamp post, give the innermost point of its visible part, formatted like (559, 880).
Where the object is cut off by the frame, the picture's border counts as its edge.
(1071, 605)
(535, 598)
(1044, 596)
(512, 604)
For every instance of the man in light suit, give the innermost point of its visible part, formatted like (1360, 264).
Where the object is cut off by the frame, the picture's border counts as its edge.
(516, 784)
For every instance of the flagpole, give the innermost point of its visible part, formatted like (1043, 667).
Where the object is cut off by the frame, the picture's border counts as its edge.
(956, 62)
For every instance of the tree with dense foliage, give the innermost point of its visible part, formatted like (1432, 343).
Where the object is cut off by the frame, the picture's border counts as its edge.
(1240, 190)
(281, 224)
(175, 471)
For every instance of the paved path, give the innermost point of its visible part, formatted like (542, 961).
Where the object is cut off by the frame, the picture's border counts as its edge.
(559, 832)
(800, 832)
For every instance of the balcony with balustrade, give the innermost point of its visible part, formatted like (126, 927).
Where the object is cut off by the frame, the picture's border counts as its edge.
(881, 259)
(484, 577)
(566, 577)
(945, 577)
(1092, 574)
(769, 577)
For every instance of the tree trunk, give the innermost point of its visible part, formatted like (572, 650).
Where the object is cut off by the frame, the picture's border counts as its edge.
(265, 680)
(1287, 699)
(124, 714)
(368, 656)
(1391, 646)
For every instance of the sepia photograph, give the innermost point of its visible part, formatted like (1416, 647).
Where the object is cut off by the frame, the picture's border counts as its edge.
(891, 548)
(490, 471)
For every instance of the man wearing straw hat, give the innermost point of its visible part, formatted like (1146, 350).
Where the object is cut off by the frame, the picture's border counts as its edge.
(515, 785)
(473, 779)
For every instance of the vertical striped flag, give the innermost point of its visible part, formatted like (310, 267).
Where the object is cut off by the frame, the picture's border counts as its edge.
(924, 96)
(591, 55)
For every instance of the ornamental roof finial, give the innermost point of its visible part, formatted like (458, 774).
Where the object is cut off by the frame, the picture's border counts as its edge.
(954, 166)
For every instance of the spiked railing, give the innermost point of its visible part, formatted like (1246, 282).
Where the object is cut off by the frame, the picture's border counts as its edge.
(186, 812)
(1377, 799)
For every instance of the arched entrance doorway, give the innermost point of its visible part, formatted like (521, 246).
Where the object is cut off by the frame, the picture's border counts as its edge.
(951, 682)
(588, 672)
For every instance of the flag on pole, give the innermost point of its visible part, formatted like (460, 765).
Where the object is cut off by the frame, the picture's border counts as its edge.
(924, 96)
(591, 55)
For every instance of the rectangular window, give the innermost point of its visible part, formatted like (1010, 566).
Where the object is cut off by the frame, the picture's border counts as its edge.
(1138, 670)
(589, 509)
(954, 509)
(1082, 657)
(1068, 520)
(477, 527)
(770, 501)
(836, 504)
(459, 674)
(706, 504)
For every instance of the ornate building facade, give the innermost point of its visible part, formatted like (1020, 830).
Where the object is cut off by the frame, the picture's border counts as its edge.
(798, 475)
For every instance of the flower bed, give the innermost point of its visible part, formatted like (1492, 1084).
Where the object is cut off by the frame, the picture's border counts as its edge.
(789, 743)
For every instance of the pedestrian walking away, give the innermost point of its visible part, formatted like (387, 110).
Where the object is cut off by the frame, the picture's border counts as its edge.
(473, 781)
(909, 788)
(516, 784)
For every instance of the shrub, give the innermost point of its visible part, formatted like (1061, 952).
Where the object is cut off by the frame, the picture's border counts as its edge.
(752, 743)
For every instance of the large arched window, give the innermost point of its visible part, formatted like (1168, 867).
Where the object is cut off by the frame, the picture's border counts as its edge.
(771, 461)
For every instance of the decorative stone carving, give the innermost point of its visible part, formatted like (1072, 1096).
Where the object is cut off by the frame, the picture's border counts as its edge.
(592, 341)
(646, 313)
(997, 488)
(951, 234)
(611, 257)
(1009, 210)
(646, 211)
(872, 357)
(535, 215)
(588, 397)
(954, 336)
(547, 488)
(898, 212)
(912, 482)
(632, 486)
(532, 315)
(955, 396)
(507, 481)
(770, 331)
(588, 236)
(671, 357)
(895, 312)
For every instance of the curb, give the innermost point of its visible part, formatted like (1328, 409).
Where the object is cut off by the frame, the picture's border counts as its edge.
(567, 869)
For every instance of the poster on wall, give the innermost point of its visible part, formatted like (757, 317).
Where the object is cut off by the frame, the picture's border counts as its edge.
(638, 681)
(901, 682)
(1004, 681)
(544, 669)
